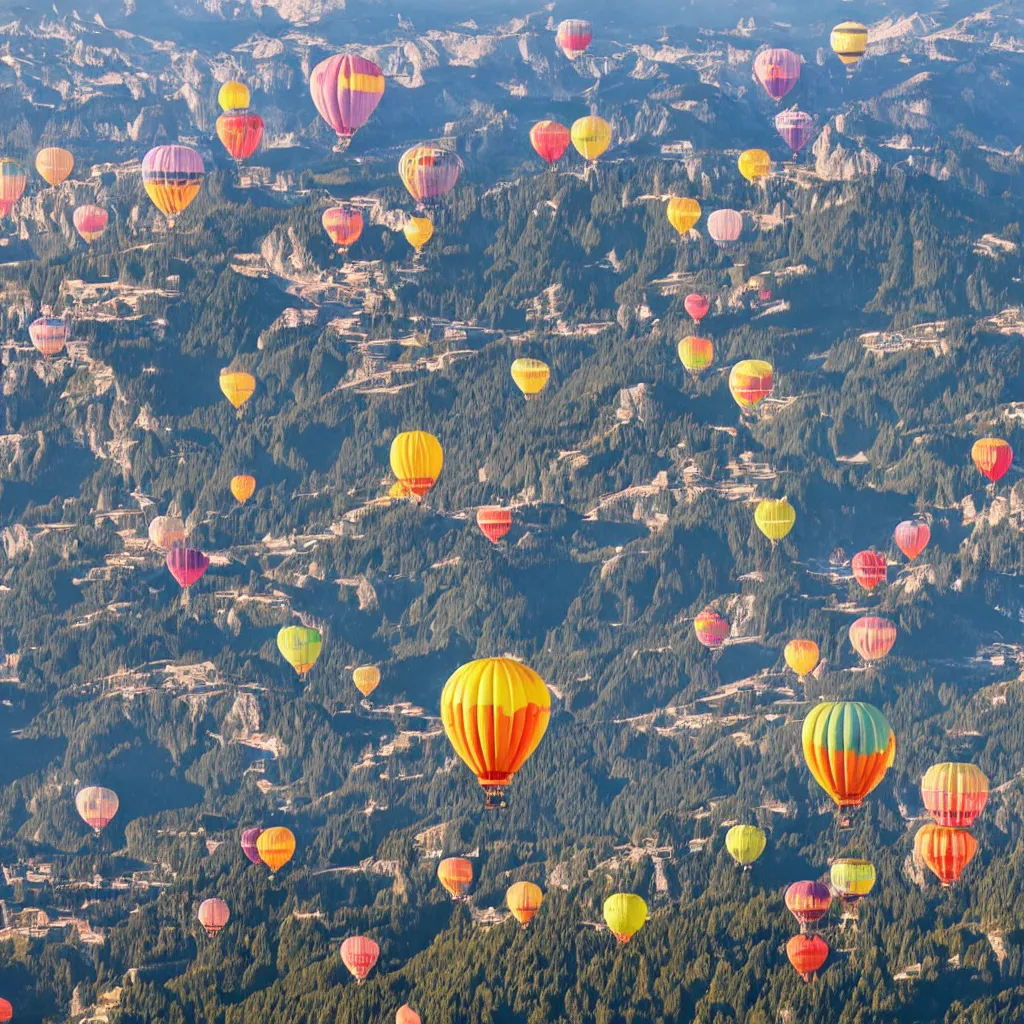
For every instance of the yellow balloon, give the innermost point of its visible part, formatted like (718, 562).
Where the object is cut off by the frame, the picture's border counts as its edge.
(243, 488)
(416, 460)
(755, 164)
(531, 376)
(366, 679)
(696, 354)
(745, 843)
(276, 847)
(774, 518)
(682, 213)
(418, 231)
(849, 41)
(237, 386)
(399, 490)
(625, 914)
(591, 136)
(54, 164)
(802, 656)
(233, 96)
(300, 646)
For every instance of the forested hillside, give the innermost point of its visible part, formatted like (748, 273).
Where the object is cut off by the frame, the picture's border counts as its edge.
(879, 274)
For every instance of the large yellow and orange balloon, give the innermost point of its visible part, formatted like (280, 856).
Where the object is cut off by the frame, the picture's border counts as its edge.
(683, 213)
(524, 900)
(495, 712)
(944, 851)
(954, 793)
(696, 354)
(54, 164)
(300, 646)
(774, 518)
(531, 376)
(745, 843)
(456, 875)
(243, 487)
(591, 135)
(416, 460)
(366, 679)
(276, 846)
(418, 231)
(754, 164)
(847, 747)
(237, 386)
(802, 656)
(750, 381)
(849, 41)
(172, 177)
(625, 914)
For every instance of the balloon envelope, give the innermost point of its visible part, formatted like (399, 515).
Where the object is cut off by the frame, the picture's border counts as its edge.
(807, 953)
(912, 537)
(343, 224)
(725, 228)
(233, 96)
(12, 182)
(851, 879)
(186, 564)
(574, 36)
(366, 679)
(993, 457)
(524, 900)
(54, 164)
(591, 135)
(96, 806)
(872, 638)
(954, 793)
(625, 914)
(213, 914)
(683, 214)
(944, 851)
(90, 221)
(808, 902)
(359, 954)
(869, 569)
(276, 847)
(166, 531)
(550, 140)
(243, 487)
(795, 127)
(346, 90)
(172, 177)
(802, 656)
(429, 172)
(248, 843)
(696, 354)
(494, 522)
(417, 459)
(418, 231)
(777, 71)
(48, 335)
(745, 843)
(456, 875)
(697, 305)
(711, 629)
(774, 518)
(530, 376)
(751, 381)
(754, 164)
(240, 134)
(237, 386)
(849, 41)
(300, 646)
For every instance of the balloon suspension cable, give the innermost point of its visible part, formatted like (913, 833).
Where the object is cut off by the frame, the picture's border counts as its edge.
(342, 143)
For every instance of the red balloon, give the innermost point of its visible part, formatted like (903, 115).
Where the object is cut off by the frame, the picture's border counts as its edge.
(697, 306)
(912, 537)
(807, 953)
(186, 564)
(494, 523)
(343, 224)
(869, 569)
(711, 629)
(6, 1011)
(359, 954)
(872, 637)
(240, 133)
(550, 139)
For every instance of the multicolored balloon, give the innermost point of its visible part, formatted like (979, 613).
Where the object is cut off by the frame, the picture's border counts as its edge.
(96, 806)
(869, 569)
(993, 457)
(954, 793)
(456, 875)
(777, 71)
(90, 221)
(359, 954)
(795, 127)
(172, 176)
(12, 184)
(944, 851)
(429, 173)
(166, 531)
(240, 134)
(300, 646)
(346, 90)
(49, 335)
(849, 41)
(574, 36)
(808, 902)
(343, 224)
(711, 629)
(696, 354)
(417, 459)
(524, 900)
(851, 879)
(912, 537)
(872, 637)
(248, 842)
(750, 382)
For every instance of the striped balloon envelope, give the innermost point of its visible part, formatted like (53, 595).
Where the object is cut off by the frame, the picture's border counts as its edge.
(172, 177)
(872, 637)
(849, 41)
(573, 36)
(429, 172)
(795, 127)
(494, 522)
(912, 537)
(346, 90)
(90, 221)
(550, 140)
(750, 382)
(359, 954)
(777, 71)
(808, 902)
(240, 133)
(186, 564)
(48, 335)
(944, 851)
(993, 457)
(954, 793)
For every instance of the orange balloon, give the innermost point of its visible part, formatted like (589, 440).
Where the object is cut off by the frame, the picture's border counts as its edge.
(945, 851)
(243, 487)
(407, 1015)
(456, 875)
(276, 847)
(524, 899)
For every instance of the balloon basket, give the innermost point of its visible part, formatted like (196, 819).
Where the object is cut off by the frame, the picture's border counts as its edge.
(495, 798)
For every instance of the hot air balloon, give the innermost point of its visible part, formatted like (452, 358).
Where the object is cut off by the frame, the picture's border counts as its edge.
(6, 1011)
(625, 914)
(754, 164)
(54, 164)
(808, 902)
(213, 914)
(186, 564)
(745, 844)
(851, 879)
(172, 176)
(240, 134)
(573, 36)
(96, 806)
(550, 140)
(531, 376)
(869, 569)
(795, 127)
(429, 173)
(12, 183)
(237, 386)
(846, 747)
(696, 306)
(696, 354)
(777, 71)
(233, 96)
(711, 629)
(398, 490)
(802, 656)
(90, 221)
(591, 135)
(346, 90)
(456, 875)
(49, 335)
(750, 381)
(300, 646)
(366, 679)
(166, 531)
(416, 460)
(418, 231)
(872, 638)
(359, 954)
(343, 224)
(524, 899)
(725, 228)
(993, 457)
(954, 793)
(495, 712)
(407, 1015)
(807, 953)
(774, 518)
(249, 839)
(276, 846)
(912, 537)
(243, 487)
(764, 294)
(494, 522)
(849, 41)
(945, 851)
(683, 214)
